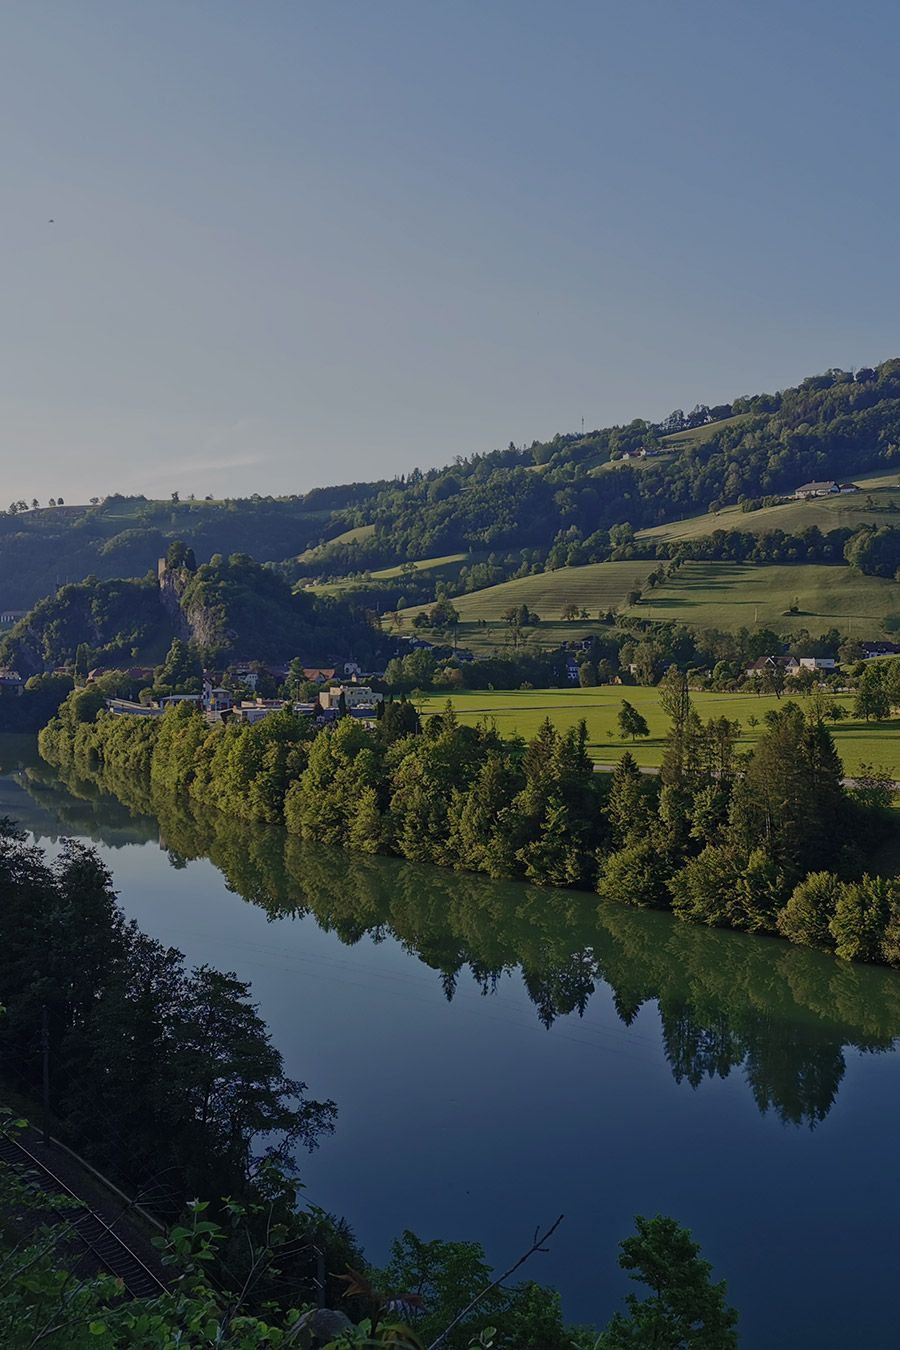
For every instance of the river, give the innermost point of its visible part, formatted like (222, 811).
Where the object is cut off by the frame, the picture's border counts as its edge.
(502, 1053)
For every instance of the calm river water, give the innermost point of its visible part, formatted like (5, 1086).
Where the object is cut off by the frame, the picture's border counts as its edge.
(501, 1053)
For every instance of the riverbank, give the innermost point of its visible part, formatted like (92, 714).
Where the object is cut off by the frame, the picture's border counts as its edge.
(720, 839)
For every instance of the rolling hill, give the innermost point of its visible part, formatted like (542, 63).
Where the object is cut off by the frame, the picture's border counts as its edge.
(509, 507)
(828, 513)
(723, 595)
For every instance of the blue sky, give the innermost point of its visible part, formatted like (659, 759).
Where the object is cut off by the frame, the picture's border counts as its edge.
(297, 244)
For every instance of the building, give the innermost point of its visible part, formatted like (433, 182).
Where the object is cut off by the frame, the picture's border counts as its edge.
(354, 696)
(215, 698)
(125, 707)
(319, 675)
(10, 616)
(767, 665)
(251, 713)
(870, 650)
(823, 664)
(850, 487)
(824, 489)
(171, 700)
(11, 680)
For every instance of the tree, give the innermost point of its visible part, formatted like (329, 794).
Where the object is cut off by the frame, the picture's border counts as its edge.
(628, 805)
(570, 611)
(587, 675)
(631, 722)
(179, 555)
(861, 916)
(872, 699)
(806, 917)
(685, 1310)
(181, 672)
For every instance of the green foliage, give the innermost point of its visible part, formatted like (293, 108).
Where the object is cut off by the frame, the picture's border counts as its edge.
(631, 722)
(180, 673)
(684, 1310)
(808, 913)
(861, 917)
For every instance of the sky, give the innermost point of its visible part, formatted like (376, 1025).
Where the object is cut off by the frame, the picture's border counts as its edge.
(295, 243)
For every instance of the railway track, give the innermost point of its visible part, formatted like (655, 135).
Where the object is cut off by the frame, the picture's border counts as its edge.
(112, 1254)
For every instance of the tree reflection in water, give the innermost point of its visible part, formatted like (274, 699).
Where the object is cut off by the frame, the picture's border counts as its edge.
(783, 1015)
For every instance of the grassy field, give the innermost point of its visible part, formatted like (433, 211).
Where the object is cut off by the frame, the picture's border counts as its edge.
(521, 713)
(829, 513)
(705, 594)
(447, 566)
(354, 536)
(743, 595)
(599, 586)
(444, 566)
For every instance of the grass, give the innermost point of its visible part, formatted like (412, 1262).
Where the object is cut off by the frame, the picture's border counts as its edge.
(520, 713)
(829, 513)
(358, 535)
(745, 595)
(449, 562)
(596, 587)
(722, 595)
(446, 566)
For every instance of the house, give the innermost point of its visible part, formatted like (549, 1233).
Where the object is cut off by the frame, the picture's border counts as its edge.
(215, 698)
(170, 700)
(765, 665)
(850, 487)
(11, 680)
(319, 675)
(10, 616)
(872, 649)
(824, 489)
(354, 696)
(571, 670)
(825, 664)
(251, 713)
(245, 674)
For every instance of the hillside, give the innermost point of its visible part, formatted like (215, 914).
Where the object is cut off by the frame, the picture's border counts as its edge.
(725, 595)
(124, 536)
(228, 609)
(828, 513)
(553, 501)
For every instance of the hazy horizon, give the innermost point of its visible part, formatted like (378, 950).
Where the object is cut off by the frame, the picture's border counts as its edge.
(263, 249)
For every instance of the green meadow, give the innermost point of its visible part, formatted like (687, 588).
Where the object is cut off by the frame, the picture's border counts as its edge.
(724, 595)
(520, 713)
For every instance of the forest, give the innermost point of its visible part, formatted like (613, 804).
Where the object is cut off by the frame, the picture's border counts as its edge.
(770, 842)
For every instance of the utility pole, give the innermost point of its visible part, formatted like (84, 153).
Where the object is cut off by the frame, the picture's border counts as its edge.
(45, 1059)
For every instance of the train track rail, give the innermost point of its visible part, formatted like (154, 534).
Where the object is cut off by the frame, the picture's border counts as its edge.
(111, 1252)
